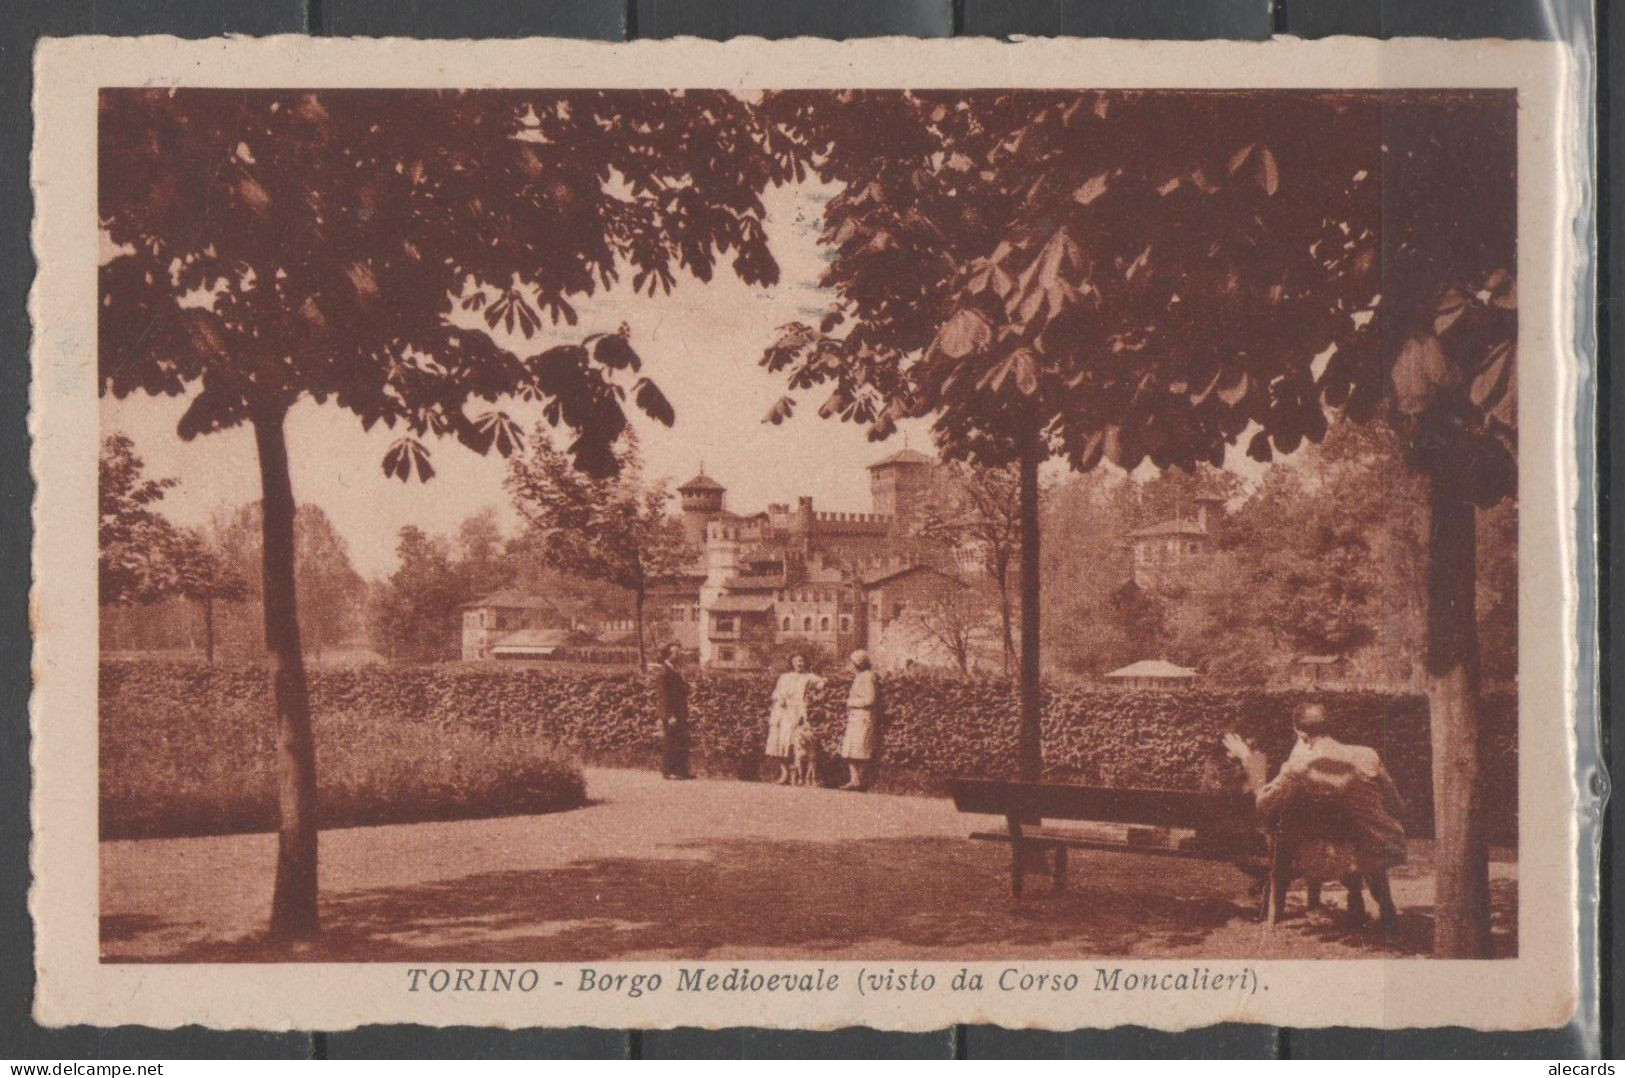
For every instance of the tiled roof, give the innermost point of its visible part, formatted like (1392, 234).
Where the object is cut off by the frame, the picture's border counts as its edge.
(1153, 668)
(702, 482)
(756, 582)
(902, 456)
(742, 604)
(512, 599)
(880, 576)
(533, 638)
(1170, 527)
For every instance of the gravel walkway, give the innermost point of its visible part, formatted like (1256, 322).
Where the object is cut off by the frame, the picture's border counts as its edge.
(714, 869)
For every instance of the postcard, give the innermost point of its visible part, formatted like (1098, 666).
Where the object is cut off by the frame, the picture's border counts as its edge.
(894, 533)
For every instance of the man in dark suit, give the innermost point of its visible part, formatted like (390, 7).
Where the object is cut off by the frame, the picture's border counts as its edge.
(671, 698)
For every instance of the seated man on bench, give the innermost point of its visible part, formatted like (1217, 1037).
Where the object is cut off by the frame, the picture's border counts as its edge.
(1334, 810)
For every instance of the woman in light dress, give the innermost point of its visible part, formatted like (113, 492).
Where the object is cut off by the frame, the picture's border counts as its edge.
(789, 712)
(861, 745)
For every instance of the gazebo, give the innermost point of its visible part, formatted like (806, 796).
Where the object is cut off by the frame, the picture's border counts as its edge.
(1152, 674)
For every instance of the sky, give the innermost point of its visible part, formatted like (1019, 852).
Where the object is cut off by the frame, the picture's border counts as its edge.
(701, 344)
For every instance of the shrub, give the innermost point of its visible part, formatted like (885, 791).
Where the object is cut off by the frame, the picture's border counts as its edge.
(482, 718)
(190, 750)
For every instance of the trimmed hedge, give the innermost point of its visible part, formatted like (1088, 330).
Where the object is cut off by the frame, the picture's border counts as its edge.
(936, 726)
(186, 750)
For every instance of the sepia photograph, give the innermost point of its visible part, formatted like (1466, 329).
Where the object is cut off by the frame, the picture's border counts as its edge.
(569, 532)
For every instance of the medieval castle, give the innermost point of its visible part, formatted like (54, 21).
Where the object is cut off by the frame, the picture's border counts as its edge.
(765, 582)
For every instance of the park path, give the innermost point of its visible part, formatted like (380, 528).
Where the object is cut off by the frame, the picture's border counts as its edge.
(712, 869)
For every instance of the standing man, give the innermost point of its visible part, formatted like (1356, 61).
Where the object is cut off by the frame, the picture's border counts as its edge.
(861, 745)
(671, 697)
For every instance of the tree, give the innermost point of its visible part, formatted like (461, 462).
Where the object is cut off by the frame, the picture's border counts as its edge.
(414, 614)
(480, 564)
(203, 576)
(980, 508)
(133, 537)
(344, 243)
(1093, 276)
(143, 557)
(1136, 276)
(953, 615)
(330, 593)
(1092, 513)
(611, 528)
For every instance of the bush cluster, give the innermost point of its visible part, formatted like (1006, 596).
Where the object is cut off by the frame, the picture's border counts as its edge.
(481, 721)
(190, 750)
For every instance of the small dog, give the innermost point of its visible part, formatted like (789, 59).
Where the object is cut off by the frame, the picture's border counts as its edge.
(804, 757)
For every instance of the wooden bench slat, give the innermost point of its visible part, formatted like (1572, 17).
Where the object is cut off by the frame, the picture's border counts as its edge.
(1191, 850)
(1150, 807)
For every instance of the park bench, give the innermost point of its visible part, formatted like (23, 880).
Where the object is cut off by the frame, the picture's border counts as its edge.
(1151, 817)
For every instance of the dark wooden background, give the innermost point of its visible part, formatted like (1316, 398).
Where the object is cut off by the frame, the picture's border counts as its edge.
(626, 19)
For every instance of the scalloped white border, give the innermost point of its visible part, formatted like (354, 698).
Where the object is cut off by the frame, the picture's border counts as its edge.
(1537, 989)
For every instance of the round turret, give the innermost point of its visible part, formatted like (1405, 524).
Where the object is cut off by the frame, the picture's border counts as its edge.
(702, 501)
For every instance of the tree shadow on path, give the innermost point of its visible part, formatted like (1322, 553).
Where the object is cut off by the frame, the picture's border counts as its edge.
(875, 898)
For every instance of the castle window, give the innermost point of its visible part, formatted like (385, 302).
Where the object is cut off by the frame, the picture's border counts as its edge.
(725, 655)
(786, 624)
(823, 624)
(806, 624)
(846, 623)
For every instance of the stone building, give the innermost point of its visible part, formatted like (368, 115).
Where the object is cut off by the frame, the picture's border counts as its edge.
(789, 576)
(1164, 550)
(763, 583)
(500, 617)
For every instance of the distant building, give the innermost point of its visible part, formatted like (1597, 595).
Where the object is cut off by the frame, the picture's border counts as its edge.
(531, 644)
(894, 639)
(1165, 549)
(489, 621)
(1152, 674)
(764, 581)
(798, 575)
(1320, 669)
(701, 499)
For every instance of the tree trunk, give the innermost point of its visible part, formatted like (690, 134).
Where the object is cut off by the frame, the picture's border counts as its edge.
(1006, 620)
(293, 901)
(208, 629)
(637, 624)
(1461, 855)
(1029, 752)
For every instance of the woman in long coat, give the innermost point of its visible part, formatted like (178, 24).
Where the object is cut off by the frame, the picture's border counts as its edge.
(861, 745)
(788, 712)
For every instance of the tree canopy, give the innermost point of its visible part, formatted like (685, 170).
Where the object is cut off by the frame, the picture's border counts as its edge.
(277, 245)
(133, 535)
(615, 529)
(1142, 275)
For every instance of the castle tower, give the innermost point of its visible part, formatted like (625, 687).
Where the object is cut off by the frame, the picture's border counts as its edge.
(702, 499)
(899, 485)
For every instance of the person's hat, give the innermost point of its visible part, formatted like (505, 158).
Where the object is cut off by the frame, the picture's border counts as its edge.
(1310, 718)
